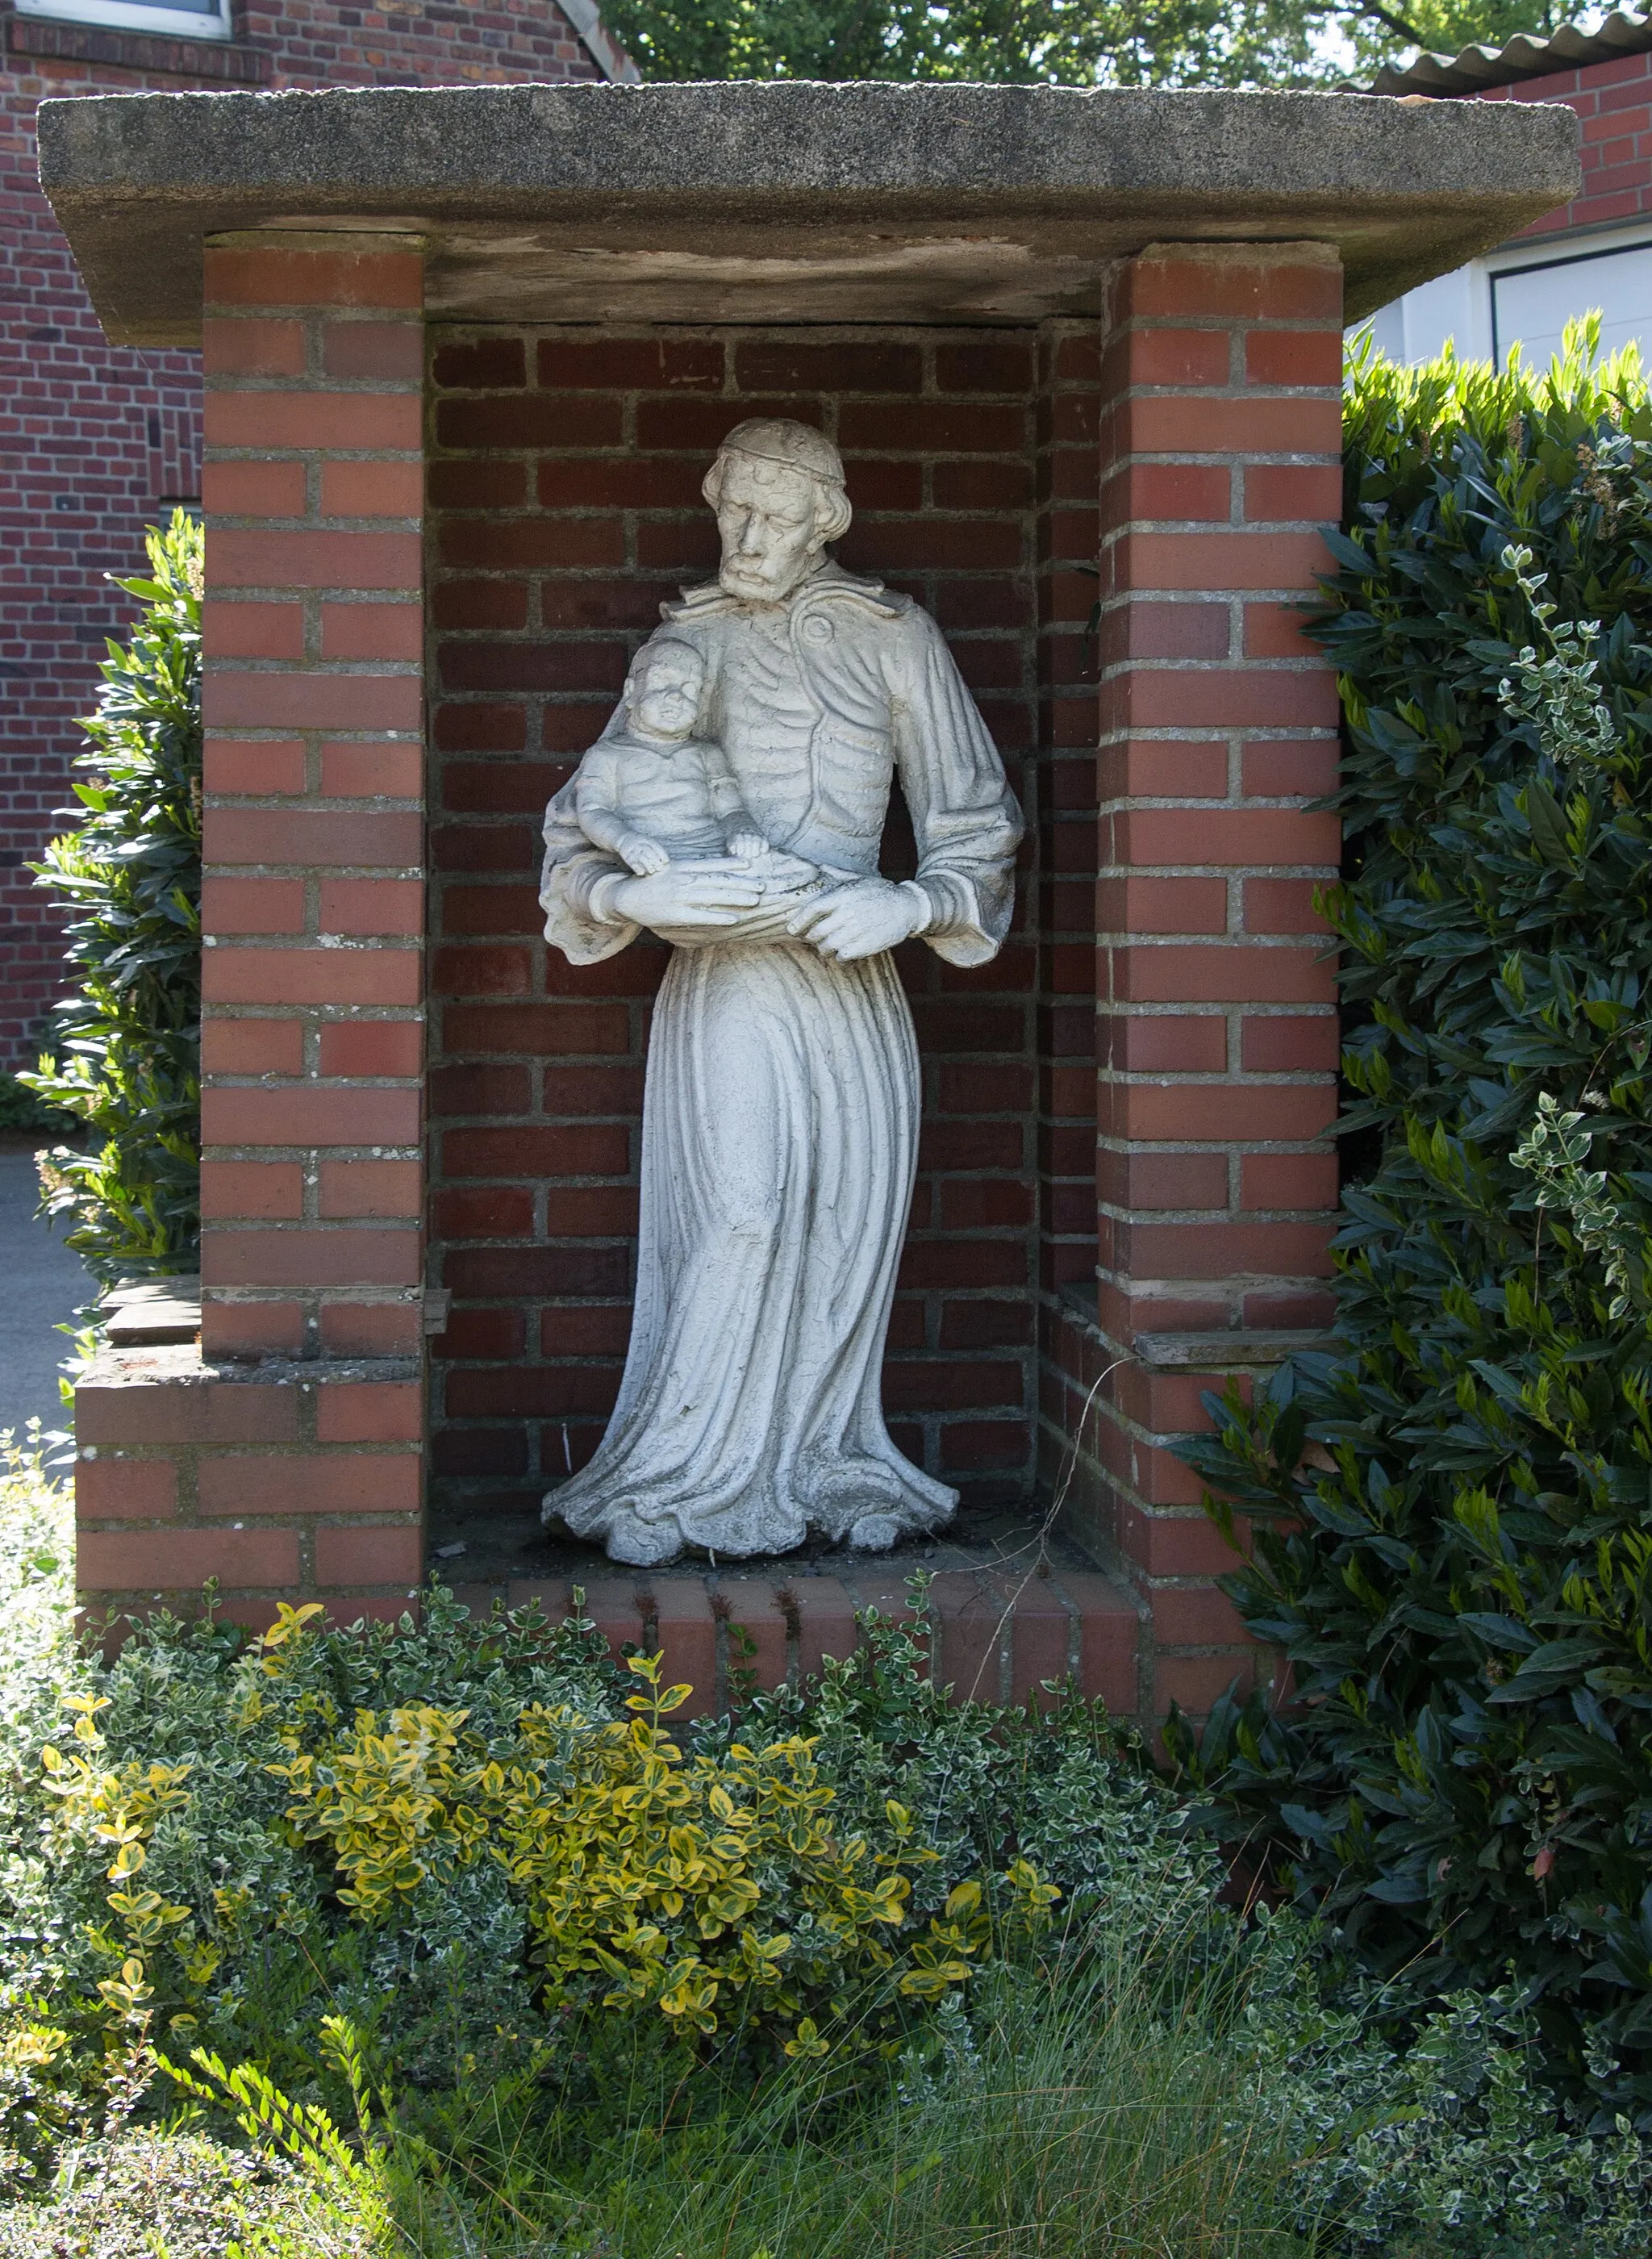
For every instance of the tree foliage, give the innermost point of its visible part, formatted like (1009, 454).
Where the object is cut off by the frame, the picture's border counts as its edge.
(1454, 1516)
(1387, 33)
(1185, 43)
(1080, 42)
(124, 1052)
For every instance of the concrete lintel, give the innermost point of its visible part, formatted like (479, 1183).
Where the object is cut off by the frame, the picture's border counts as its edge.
(786, 201)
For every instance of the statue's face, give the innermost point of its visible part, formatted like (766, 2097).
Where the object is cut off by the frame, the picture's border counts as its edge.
(767, 518)
(664, 691)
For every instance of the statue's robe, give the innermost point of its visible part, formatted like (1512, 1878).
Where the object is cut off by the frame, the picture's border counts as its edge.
(780, 1119)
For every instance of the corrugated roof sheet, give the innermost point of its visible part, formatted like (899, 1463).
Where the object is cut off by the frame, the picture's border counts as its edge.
(1475, 68)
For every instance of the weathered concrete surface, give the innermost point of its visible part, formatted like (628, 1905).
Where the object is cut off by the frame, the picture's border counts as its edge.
(786, 201)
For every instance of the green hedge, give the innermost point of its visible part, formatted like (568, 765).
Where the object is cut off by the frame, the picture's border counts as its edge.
(1455, 1517)
(124, 1049)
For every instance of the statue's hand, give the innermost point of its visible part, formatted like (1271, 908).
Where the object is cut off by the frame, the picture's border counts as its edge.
(642, 855)
(856, 920)
(687, 895)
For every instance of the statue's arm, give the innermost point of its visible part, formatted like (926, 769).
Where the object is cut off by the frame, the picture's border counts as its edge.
(967, 820)
(594, 907)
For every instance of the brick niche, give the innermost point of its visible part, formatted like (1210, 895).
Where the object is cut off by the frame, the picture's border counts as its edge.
(431, 549)
(466, 360)
(565, 474)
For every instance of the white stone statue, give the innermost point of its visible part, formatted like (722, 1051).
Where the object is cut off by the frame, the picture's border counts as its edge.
(756, 745)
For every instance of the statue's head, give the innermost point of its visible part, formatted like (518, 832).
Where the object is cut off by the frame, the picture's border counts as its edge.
(663, 687)
(777, 490)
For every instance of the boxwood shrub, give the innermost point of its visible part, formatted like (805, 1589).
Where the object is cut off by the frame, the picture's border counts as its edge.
(1454, 1515)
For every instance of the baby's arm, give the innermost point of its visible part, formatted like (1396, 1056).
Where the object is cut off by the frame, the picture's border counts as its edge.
(602, 824)
(740, 834)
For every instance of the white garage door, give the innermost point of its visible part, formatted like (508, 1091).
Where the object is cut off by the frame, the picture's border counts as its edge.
(1534, 303)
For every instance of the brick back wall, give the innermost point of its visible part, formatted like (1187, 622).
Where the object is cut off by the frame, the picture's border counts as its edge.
(95, 440)
(1068, 536)
(565, 496)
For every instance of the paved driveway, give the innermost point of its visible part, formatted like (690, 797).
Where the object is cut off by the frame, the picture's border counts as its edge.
(41, 1284)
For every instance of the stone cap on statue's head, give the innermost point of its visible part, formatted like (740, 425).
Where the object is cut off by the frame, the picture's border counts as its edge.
(780, 440)
(792, 447)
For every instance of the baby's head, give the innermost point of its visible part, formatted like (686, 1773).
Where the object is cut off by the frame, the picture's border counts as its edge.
(662, 690)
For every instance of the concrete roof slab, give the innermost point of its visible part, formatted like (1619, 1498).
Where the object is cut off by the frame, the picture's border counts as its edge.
(785, 200)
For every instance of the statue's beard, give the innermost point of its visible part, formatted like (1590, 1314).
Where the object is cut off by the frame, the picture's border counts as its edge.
(738, 578)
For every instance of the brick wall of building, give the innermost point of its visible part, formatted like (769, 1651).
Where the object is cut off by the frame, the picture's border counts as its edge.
(565, 488)
(1614, 101)
(96, 441)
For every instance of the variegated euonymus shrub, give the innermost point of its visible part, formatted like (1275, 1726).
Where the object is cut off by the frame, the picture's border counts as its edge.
(1455, 1516)
(717, 1889)
(480, 1843)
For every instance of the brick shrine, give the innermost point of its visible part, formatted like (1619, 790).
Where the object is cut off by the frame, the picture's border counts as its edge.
(1082, 355)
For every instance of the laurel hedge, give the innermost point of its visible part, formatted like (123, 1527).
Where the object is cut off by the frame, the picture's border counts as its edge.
(122, 1055)
(1453, 1515)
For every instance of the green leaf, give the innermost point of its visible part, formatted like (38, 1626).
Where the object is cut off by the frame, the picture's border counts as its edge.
(1548, 824)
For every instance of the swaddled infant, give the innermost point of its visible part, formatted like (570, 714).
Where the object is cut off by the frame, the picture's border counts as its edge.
(654, 793)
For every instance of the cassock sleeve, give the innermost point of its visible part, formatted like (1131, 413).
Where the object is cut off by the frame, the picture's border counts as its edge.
(572, 870)
(967, 819)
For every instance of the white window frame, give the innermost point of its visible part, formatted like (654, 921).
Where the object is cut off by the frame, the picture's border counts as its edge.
(133, 16)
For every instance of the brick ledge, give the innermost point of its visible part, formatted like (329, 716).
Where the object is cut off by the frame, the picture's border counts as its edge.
(179, 1365)
(1231, 1349)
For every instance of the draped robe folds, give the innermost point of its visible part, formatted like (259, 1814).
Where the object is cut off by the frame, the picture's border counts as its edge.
(780, 1113)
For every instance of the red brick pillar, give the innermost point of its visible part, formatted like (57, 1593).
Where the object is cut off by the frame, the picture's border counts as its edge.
(287, 1458)
(313, 909)
(1220, 441)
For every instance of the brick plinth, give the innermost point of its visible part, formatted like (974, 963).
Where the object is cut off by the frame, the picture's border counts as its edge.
(278, 1481)
(999, 1635)
(1219, 438)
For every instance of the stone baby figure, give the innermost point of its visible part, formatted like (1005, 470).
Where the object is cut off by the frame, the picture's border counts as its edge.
(654, 793)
